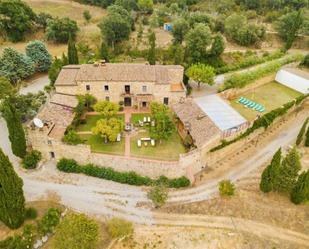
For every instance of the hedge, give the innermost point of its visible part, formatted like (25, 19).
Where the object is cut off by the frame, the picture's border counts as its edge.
(264, 121)
(240, 80)
(249, 61)
(131, 178)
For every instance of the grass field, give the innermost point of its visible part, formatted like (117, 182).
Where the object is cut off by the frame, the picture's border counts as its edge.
(167, 150)
(91, 121)
(97, 145)
(138, 116)
(271, 95)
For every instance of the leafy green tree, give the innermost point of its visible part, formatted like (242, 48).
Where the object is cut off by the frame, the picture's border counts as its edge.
(288, 172)
(270, 174)
(106, 108)
(77, 231)
(37, 51)
(72, 52)
(177, 53)
(288, 27)
(201, 73)
(72, 138)
(16, 131)
(179, 30)
(119, 228)
(158, 195)
(217, 46)
(104, 54)
(197, 40)
(200, 17)
(152, 49)
(42, 19)
(56, 67)
(300, 192)
(108, 129)
(16, 19)
(60, 29)
(6, 88)
(116, 26)
(146, 6)
(127, 4)
(12, 201)
(301, 133)
(87, 16)
(226, 188)
(15, 66)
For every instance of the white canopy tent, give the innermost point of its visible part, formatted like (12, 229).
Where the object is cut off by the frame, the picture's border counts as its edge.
(220, 112)
(294, 78)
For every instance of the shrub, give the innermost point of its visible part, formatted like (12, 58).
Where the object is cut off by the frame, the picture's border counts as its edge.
(307, 138)
(305, 61)
(131, 178)
(158, 195)
(226, 188)
(119, 228)
(49, 221)
(240, 80)
(31, 159)
(76, 231)
(72, 138)
(31, 213)
(301, 132)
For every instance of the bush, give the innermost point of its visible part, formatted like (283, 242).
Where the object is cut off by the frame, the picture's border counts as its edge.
(119, 228)
(307, 138)
(131, 178)
(72, 138)
(240, 80)
(31, 159)
(49, 221)
(31, 213)
(76, 231)
(226, 188)
(37, 51)
(305, 61)
(158, 195)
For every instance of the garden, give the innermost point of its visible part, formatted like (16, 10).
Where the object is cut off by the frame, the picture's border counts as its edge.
(271, 96)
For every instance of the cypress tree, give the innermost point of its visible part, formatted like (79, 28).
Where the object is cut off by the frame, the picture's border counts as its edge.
(301, 132)
(12, 201)
(104, 54)
(300, 192)
(270, 174)
(16, 131)
(289, 171)
(307, 138)
(72, 52)
(152, 49)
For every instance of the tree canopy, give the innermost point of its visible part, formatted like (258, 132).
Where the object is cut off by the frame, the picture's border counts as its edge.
(180, 29)
(106, 108)
(201, 73)
(60, 29)
(108, 129)
(37, 51)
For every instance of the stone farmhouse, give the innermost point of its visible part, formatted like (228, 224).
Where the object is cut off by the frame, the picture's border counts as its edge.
(134, 85)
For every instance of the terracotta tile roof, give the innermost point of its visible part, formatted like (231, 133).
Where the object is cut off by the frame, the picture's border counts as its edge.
(61, 117)
(64, 100)
(176, 87)
(67, 76)
(199, 125)
(160, 74)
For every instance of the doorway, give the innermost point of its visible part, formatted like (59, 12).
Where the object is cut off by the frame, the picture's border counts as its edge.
(127, 101)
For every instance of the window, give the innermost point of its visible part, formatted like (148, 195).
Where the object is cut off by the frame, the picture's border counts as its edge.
(107, 98)
(127, 88)
(144, 104)
(52, 155)
(106, 88)
(165, 101)
(88, 87)
(144, 88)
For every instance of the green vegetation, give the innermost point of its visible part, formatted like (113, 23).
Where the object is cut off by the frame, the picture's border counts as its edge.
(305, 61)
(31, 160)
(119, 228)
(37, 51)
(226, 188)
(201, 74)
(91, 120)
(264, 121)
(87, 15)
(76, 231)
(49, 221)
(266, 95)
(300, 191)
(131, 178)
(301, 133)
(31, 213)
(71, 137)
(240, 80)
(72, 52)
(152, 49)
(12, 201)
(307, 138)
(135, 117)
(108, 129)
(158, 194)
(56, 67)
(60, 29)
(106, 108)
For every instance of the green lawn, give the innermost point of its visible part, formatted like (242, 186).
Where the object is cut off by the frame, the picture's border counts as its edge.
(97, 145)
(138, 116)
(167, 150)
(91, 121)
(271, 95)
